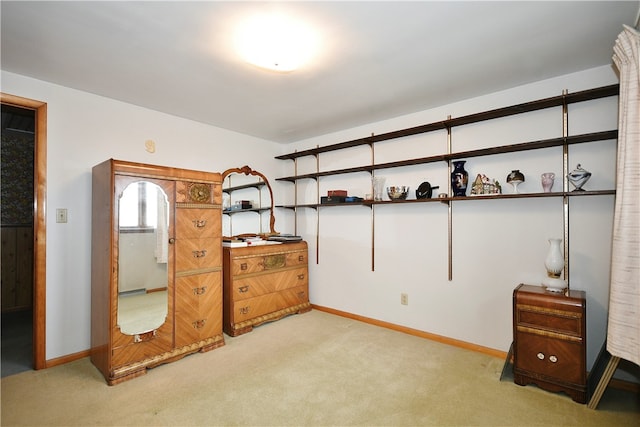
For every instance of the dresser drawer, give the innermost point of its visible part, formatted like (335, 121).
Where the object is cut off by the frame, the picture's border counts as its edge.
(198, 223)
(264, 304)
(252, 286)
(198, 307)
(550, 357)
(198, 254)
(267, 262)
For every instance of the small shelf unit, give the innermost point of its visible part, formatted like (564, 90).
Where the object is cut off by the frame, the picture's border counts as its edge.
(259, 185)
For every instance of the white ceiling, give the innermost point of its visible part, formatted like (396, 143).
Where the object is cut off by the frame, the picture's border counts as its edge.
(379, 59)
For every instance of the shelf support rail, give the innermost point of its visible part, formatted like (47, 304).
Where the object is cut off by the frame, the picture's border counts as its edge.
(317, 156)
(565, 184)
(449, 205)
(373, 216)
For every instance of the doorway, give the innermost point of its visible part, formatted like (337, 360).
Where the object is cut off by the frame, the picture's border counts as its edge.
(25, 307)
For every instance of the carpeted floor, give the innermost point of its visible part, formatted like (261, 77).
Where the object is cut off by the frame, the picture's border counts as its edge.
(313, 369)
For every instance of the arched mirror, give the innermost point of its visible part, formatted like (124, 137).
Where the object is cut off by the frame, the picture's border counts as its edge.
(143, 276)
(247, 203)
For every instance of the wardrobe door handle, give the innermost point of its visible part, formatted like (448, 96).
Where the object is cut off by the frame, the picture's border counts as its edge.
(172, 241)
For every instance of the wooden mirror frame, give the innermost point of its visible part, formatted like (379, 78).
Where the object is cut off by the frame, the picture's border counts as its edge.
(248, 171)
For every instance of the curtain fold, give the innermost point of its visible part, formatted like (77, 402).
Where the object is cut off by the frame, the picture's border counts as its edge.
(623, 330)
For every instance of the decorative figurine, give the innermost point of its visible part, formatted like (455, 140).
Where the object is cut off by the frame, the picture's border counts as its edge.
(578, 177)
(515, 178)
(484, 186)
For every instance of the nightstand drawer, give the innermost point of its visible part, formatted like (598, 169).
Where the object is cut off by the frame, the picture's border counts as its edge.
(549, 321)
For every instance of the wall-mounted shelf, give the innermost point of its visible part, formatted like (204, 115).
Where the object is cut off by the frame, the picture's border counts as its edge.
(563, 141)
(524, 146)
(257, 185)
(445, 200)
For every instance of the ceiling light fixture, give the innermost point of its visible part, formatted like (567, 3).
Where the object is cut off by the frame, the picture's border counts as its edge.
(275, 42)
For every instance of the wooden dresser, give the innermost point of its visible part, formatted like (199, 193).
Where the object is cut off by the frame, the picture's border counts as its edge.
(264, 283)
(156, 284)
(549, 332)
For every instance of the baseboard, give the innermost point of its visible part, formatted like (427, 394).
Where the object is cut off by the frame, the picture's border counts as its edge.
(68, 358)
(422, 334)
(615, 383)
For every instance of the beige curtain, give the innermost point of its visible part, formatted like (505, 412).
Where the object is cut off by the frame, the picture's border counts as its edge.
(623, 334)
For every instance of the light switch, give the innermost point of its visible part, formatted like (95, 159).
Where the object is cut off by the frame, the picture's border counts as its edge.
(61, 215)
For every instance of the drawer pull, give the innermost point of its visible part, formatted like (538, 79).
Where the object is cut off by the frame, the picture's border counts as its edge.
(540, 356)
(244, 310)
(243, 289)
(243, 266)
(172, 241)
(199, 254)
(301, 294)
(301, 258)
(199, 291)
(199, 323)
(199, 223)
(300, 276)
(553, 359)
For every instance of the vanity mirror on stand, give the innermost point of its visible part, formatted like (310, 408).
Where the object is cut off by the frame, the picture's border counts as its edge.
(156, 280)
(263, 280)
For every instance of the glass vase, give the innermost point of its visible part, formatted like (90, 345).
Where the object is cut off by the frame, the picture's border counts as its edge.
(554, 263)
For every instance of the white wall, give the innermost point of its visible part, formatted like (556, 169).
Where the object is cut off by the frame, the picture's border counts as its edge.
(83, 130)
(497, 244)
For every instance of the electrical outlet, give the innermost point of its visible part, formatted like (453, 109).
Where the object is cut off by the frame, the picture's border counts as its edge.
(404, 299)
(61, 215)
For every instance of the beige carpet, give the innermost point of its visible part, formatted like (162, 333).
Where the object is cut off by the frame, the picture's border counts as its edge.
(309, 369)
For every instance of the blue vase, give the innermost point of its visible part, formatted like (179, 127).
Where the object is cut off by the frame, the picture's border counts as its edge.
(459, 179)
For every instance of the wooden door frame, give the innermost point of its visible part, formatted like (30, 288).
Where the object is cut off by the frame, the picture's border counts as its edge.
(39, 223)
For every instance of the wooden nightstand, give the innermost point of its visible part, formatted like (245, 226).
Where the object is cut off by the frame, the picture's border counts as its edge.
(549, 333)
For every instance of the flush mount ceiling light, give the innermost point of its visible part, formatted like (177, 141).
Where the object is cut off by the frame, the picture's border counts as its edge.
(275, 42)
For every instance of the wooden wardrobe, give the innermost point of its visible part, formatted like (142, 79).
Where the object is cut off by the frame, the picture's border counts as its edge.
(156, 281)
